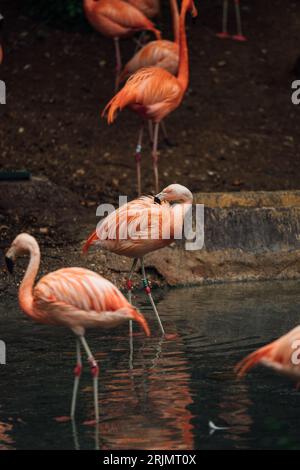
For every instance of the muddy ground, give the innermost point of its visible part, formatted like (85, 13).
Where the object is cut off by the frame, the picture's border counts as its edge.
(236, 130)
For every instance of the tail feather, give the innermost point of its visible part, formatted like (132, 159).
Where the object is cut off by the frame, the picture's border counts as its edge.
(122, 99)
(92, 238)
(252, 359)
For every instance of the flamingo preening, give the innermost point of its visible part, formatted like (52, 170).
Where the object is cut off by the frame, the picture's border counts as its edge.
(153, 93)
(224, 34)
(75, 298)
(282, 355)
(143, 225)
(117, 19)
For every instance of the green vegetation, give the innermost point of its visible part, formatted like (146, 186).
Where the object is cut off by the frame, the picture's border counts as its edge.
(55, 11)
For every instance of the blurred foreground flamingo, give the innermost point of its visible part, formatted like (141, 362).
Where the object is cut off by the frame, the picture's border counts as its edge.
(117, 19)
(74, 298)
(143, 225)
(224, 34)
(283, 355)
(154, 93)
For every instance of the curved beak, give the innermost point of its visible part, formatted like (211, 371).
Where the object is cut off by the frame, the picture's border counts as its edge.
(159, 198)
(9, 264)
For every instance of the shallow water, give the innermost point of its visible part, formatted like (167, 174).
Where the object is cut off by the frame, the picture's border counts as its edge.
(176, 386)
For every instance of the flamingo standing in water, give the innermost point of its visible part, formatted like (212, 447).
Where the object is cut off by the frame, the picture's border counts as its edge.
(153, 93)
(117, 19)
(75, 298)
(283, 355)
(224, 34)
(143, 225)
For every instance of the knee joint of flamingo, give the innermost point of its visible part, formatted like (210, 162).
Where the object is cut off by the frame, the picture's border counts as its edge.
(94, 368)
(148, 290)
(147, 286)
(78, 370)
(129, 284)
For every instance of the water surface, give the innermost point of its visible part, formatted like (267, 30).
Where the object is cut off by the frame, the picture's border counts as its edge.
(175, 387)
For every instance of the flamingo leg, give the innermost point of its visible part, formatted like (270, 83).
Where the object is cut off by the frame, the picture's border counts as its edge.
(129, 292)
(75, 435)
(150, 129)
(239, 36)
(77, 374)
(138, 158)
(155, 156)
(118, 63)
(95, 374)
(148, 292)
(224, 34)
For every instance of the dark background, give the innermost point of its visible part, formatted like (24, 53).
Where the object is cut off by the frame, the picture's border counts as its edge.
(236, 129)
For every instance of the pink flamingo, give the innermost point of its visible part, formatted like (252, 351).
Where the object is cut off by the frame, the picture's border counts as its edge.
(224, 34)
(150, 8)
(153, 93)
(283, 355)
(74, 298)
(160, 53)
(143, 225)
(117, 19)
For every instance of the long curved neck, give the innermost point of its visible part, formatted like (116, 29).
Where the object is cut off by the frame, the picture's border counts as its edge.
(183, 72)
(175, 18)
(25, 291)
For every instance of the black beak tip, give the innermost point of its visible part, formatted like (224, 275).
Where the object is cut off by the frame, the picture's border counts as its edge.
(157, 200)
(9, 264)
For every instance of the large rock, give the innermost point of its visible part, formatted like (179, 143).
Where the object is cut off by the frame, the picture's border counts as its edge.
(248, 236)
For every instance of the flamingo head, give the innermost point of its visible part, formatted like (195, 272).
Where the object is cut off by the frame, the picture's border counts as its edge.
(174, 193)
(22, 244)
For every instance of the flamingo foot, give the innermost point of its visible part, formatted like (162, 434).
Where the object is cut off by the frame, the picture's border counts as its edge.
(239, 38)
(223, 35)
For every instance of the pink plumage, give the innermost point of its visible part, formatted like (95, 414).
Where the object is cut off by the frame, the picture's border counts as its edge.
(75, 298)
(283, 355)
